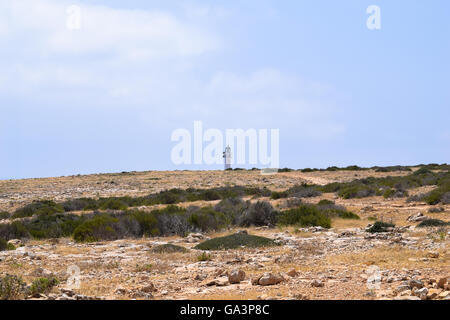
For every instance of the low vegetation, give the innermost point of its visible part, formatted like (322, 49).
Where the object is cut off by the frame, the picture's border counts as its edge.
(114, 217)
(42, 286)
(433, 223)
(172, 196)
(380, 226)
(12, 288)
(4, 245)
(396, 186)
(304, 216)
(4, 215)
(204, 257)
(238, 240)
(43, 207)
(168, 248)
(172, 220)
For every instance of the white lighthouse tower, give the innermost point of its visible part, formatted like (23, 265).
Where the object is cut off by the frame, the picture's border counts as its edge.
(227, 157)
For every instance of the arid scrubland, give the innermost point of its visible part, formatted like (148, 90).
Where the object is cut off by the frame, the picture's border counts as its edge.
(330, 234)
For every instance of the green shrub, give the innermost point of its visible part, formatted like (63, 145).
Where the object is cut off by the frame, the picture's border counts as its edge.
(234, 241)
(440, 194)
(304, 216)
(207, 219)
(391, 169)
(325, 202)
(80, 204)
(303, 191)
(100, 227)
(422, 171)
(113, 204)
(331, 210)
(436, 210)
(389, 193)
(14, 230)
(43, 285)
(433, 223)
(4, 245)
(148, 223)
(4, 215)
(53, 226)
(278, 195)
(380, 226)
(344, 214)
(168, 248)
(12, 288)
(260, 213)
(232, 208)
(285, 170)
(204, 257)
(210, 195)
(356, 191)
(42, 207)
(172, 220)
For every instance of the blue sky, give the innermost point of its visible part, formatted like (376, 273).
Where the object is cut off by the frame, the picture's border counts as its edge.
(107, 97)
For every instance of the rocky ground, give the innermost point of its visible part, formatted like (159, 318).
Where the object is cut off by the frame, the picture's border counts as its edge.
(344, 262)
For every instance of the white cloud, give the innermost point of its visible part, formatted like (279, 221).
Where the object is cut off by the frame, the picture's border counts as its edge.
(146, 61)
(129, 34)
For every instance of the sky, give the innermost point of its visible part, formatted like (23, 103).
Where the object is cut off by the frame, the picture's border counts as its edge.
(107, 96)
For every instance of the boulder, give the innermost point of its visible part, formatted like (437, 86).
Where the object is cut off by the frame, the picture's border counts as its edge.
(433, 254)
(149, 288)
(433, 293)
(414, 283)
(293, 273)
(421, 293)
(268, 279)
(317, 283)
(417, 217)
(15, 242)
(442, 282)
(220, 282)
(236, 276)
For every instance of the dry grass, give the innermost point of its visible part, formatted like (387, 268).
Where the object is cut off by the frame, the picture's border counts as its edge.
(389, 257)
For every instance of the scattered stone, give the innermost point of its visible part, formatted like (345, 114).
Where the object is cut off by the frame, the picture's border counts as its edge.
(293, 273)
(433, 293)
(219, 282)
(15, 242)
(236, 276)
(414, 283)
(417, 217)
(194, 237)
(442, 282)
(421, 293)
(401, 288)
(268, 279)
(317, 283)
(121, 291)
(407, 298)
(433, 255)
(148, 288)
(200, 277)
(41, 273)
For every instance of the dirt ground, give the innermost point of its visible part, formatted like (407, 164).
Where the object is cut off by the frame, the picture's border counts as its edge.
(311, 263)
